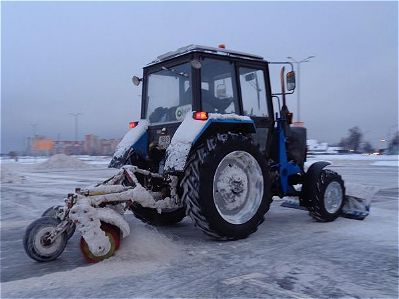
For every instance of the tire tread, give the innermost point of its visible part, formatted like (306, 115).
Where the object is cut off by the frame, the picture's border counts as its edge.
(191, 180)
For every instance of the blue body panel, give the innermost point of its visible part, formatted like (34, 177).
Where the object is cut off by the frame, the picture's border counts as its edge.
(223, 121)
(286, 168)
(181, 143)
(141, 145)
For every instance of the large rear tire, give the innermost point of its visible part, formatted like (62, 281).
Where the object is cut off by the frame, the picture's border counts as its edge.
(226, 187)
(35, 244)
(325, 196)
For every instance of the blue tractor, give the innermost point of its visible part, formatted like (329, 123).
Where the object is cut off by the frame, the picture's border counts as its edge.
(207, 121)
(208, 145)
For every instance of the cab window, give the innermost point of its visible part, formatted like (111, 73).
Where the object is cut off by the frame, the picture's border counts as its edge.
(169, 94)
(253, 93)
(218, 88)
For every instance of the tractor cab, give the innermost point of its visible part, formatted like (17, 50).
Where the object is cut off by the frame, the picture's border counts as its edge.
(212, 80)
(206, 81)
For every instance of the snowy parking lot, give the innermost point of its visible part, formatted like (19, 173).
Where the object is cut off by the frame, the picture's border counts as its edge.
(290, 256)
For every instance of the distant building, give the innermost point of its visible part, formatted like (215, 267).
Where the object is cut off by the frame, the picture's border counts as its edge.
(108, 146)
(68, 147)
(42, 145)
(91, 145)
(315, 147)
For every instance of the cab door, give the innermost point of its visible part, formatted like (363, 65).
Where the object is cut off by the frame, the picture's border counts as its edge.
(254, 91)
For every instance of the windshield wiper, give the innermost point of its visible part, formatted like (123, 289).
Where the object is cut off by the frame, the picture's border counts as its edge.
(174, 71)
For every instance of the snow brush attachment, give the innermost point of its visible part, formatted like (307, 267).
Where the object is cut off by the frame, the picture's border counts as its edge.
(97, 213)
(114, 236)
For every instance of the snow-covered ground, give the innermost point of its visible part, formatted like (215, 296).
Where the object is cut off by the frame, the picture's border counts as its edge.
(355, 157)
(289, 256)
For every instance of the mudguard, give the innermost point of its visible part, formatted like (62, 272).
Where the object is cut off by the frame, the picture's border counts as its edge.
(312, 174)
(315, 169)
(191, 130)
(135, 140)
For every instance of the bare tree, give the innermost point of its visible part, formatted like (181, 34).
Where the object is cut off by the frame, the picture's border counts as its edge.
(393, 146)
(367, 148)
(352, 142)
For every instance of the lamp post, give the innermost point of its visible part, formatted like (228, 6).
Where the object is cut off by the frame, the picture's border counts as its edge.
(32, 142)
(76, 116)
(298, 64)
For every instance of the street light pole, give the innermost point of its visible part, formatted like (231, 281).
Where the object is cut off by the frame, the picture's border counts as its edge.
(76, 116)
(298, 66)
(34, 129)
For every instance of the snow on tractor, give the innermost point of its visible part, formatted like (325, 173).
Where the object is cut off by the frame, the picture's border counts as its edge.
(208, 145)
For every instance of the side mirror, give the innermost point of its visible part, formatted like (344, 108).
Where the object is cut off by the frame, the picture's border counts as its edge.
(136, 80)
(290, 77)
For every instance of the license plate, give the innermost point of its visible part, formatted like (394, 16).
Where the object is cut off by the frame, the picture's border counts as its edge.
(163, 141)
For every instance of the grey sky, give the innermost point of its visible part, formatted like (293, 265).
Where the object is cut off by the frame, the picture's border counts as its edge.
(67, 57)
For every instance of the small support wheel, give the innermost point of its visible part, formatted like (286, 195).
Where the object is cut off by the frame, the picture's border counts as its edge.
(114, 235)
(36, 243)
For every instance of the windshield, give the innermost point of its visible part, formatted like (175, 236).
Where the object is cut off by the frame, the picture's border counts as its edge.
(218, 88)
(169, 94)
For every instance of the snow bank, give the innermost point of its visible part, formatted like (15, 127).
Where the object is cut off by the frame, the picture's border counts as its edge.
(62, 161)
(355, 157)
(8, 176)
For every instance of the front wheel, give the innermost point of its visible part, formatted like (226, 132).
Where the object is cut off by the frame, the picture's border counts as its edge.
(36, 243)
(226, 187)
(325, 196)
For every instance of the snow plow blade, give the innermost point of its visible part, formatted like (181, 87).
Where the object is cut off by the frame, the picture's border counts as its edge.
(355, 207)
(357, 213)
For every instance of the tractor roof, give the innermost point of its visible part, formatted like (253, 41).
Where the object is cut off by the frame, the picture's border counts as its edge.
(204, 49)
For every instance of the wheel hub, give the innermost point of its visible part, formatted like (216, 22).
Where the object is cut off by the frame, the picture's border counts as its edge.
(230, 186)
(333, 197)
(238, 187)
(45, 240)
